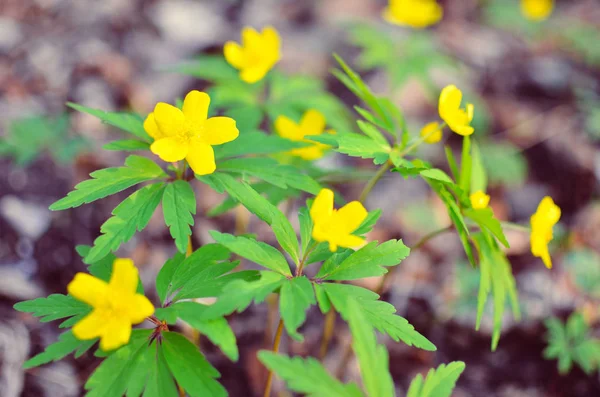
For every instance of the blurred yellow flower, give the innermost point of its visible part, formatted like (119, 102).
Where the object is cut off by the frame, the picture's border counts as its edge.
(257, 55)
(479, 200)
(537, 10)
(449, 108)
(116, 305)
(546, 216)
(312, 123)
(415, 13)
(188, 133)
(336, 226)
(431, 132)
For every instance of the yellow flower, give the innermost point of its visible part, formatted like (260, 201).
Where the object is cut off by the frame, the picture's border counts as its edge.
(257, 55)
(479, 200)
(188, 134)
(546, 216)
(449, 107)
(415, 13)
(336, 226)
(116, 305)
(537, 10)
(431, 133)
(312, 123)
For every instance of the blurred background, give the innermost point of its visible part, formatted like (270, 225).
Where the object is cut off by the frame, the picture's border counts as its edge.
(536, 90)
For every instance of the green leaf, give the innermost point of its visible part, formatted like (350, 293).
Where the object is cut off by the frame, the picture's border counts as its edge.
(484, 217)
(53, 307)
(201, 259)
(101, 268)
(129, 122)
(238, 294)
(165, 276)
(373, 359)
(114, 375)
(127, 145)
(505, 163)
(372, 132)
(110, 181)
(296, 297)
(307, 376)
(306, 226)
(132, 215)
(379, 314)
(247, 117)
(439, 382)
(369, 223)
(436, 174)
(255, 143)
(255, 251)
(207, 67)
(354, 145)
(217, 330)
(189, 367)
(465, 165)
(478, 175)
(369, 261)
(67, 344)
(160, 382)
(179, 206)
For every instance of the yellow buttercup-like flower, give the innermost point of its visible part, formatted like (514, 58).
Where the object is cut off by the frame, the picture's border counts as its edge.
(312, 123)
(188, 133)
(537, 10)
(458, 119)
(257, 55)
(116, 305)
(431, 132)
(415, 13)
(336, 226)
(479, 200)
(546, 216)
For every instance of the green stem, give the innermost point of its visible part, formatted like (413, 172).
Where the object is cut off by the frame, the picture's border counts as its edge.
(275, 349)
(373, 181)
(515, 226)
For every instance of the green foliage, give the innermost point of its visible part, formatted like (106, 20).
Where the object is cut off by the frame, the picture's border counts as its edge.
(380, 315)
(126, 145)
(582, 264)
(504, 163)
(110, 181)
(132, 215)
(28, 137)
(296, 296)
(179, 206)
(439, 382)
(255, 143)
(572, 343)
(67, 344)
(53, 307)
(307, 376)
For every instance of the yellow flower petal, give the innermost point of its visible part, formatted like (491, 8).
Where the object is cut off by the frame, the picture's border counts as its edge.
(450, 99)
(151, 127)
(350, 241)
(287, 128)
(322, 207)
(219, 130)
(479, 200)
(272, 41)
(234, 54)
(201, 158)
(88, 289)
(542, 222)
(537, 10)
(312, 123)
(140, 307)
(93, 325)
(253, 74)
(431, 132)
(457, 119)
(250, 37)
(415, 13)
(170, 120)
(195, 107)
(350, 217)
(117, 334)
(170, 149)
(309, 153)
(124, 276)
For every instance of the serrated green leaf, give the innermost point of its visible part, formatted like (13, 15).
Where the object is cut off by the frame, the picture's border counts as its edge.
(67, 344)
(307, 376)
(179, 206)
(189, 367)
(255, 143)
(381, 315)
(53, 307)
(129, 122)
(354, 145)
(160, 382)
(165, 276)
(436, 174)
(373, 359)
(439, 382)
(369, 261)
(372, 132)
(110, 181)
(296, 297)
(132, 215)
(101, 268)
(198, 262)
(484, 217)
(369, 223)
(126, 145)
(322, 299)
(255, 251)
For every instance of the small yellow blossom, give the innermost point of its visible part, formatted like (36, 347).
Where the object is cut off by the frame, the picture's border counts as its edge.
(537, 10)
(431, 132)
(336, 226)
(449, 107)
(116, 305)
(415, 13)
(257, 55)
(479, 200)
(188, 133)
(312, 123)
(546, 216)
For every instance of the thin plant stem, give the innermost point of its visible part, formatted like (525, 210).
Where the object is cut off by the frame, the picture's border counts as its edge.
(275, 349)
(327, 333)
(373, 181)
